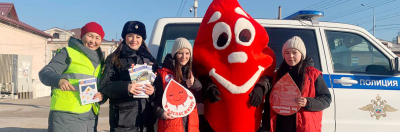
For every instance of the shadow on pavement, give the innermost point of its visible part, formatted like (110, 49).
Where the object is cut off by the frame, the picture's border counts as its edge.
(35, 106)
(16, 129)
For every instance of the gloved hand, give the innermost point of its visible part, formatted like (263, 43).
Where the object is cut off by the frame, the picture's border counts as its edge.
(212, 93)
(256, 96)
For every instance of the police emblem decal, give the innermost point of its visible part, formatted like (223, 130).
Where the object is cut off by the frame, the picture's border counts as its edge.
(378, 108)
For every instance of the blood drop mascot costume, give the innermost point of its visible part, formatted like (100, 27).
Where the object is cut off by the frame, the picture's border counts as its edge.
(231, 49)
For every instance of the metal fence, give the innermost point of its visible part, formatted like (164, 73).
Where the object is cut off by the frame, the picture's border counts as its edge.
(40, 90)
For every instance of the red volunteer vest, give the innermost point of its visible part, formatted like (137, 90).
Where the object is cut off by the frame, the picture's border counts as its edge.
(307, 121)
(176, 125)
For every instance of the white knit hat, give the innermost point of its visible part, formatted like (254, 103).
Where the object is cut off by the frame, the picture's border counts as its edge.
(296, 43)
(181, 43)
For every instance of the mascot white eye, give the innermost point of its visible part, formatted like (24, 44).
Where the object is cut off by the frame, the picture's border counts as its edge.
(221, 35)
(244, 32)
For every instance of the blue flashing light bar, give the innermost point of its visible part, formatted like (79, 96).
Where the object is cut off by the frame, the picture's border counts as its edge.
(305, 15)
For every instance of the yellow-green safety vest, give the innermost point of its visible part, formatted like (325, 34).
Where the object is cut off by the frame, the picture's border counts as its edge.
(80, 68)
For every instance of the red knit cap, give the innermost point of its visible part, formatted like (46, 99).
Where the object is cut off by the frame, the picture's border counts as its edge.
(92, 27)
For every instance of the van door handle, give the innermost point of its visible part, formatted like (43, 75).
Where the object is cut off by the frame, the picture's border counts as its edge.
(345, 81)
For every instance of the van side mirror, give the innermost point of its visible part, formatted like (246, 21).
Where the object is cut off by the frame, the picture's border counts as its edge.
(397, 60)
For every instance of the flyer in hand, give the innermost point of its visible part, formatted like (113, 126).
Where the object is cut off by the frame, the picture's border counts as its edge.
(141, 74)
(178, 99)
(283, 94)
(87, 90)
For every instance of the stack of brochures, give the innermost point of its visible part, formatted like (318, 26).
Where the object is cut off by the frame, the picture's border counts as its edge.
(141, 74)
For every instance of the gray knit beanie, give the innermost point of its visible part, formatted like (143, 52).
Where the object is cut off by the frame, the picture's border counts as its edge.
(181, 43)
(296, 43)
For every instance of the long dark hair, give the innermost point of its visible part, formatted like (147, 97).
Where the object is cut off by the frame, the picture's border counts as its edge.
(178, 69)
(284, 68)
(116, 54)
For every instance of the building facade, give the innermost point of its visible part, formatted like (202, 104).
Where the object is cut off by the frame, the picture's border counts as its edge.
(22, 40)
(60, 40)
(395, 48)
(17, 37)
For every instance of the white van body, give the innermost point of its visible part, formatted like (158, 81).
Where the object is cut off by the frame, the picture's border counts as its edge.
(361, 73)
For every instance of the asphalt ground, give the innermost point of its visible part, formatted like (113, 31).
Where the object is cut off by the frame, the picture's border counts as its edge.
(30, 115)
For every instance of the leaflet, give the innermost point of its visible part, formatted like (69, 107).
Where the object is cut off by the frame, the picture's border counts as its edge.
(141, 74)
(87, 90)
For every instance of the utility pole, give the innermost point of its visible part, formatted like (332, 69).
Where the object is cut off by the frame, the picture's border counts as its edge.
(195, 8)
(373, 18)
(195, 5)
(373, 13)
(280, 13)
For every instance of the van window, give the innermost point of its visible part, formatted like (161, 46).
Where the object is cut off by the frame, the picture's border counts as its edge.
(172, 32)
(352, 53)
(278, 37)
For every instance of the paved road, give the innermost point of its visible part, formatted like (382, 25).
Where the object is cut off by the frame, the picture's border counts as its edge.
(31, 115)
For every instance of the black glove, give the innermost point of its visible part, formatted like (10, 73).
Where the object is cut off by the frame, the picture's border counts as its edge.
(256, 96)
(212, 93)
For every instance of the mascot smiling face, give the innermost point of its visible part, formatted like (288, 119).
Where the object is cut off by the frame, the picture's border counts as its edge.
(232, 49)
(229, 46)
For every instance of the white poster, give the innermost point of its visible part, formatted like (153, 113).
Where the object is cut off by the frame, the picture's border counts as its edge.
(178, 99)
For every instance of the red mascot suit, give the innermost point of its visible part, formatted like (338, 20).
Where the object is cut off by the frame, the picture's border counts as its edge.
(232, 49)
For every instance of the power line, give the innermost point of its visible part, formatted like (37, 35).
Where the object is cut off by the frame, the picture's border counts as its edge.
(326, 4)
(375, 14)
(394, 28)
(313, 5)
(381, 18)
(316, 5)
(183, 7)
(357, 9)
(179, 9)
(337, 4)
(387, 25)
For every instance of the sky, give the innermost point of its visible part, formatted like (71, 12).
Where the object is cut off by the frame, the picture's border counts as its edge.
(113, 14)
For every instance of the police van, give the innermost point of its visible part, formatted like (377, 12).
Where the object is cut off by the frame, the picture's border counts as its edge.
(362, 74)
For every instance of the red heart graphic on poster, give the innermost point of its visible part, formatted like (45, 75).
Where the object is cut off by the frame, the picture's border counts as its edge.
(179, 97)
(283, 95)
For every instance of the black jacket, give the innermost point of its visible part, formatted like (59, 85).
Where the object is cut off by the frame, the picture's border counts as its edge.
(127, 113)
(158, 84)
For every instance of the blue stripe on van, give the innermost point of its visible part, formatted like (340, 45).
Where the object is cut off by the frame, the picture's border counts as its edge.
(327, 80)
(366, 82)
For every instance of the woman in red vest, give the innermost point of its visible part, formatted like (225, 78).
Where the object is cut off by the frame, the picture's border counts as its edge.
(177, 65)
(315, 94)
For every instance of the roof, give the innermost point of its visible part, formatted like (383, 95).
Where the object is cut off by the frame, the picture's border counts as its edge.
(11, 18)
(395, 48)
(60, 30)
(77, 32)
(7, 9)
